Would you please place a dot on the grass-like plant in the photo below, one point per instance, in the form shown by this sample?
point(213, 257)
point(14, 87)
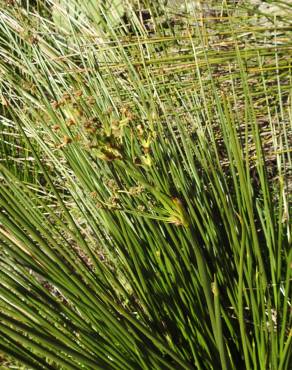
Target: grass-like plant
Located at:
point(144, 185)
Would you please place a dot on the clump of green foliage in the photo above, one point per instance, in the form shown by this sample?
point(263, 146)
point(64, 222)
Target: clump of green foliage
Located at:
point(145, 183)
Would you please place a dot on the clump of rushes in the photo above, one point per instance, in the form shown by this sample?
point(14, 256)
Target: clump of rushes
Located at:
point(145, 186)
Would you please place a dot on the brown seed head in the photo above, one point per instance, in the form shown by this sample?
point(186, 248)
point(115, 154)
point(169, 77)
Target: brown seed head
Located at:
point(91, 100)
point(55, 127)
point(70, 122)
point(66, 140)
point(66, 96)
point(55, 104)
point(78, 93)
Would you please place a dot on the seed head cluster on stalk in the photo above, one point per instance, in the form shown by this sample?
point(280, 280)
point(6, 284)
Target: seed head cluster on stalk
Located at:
point(145, 184)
